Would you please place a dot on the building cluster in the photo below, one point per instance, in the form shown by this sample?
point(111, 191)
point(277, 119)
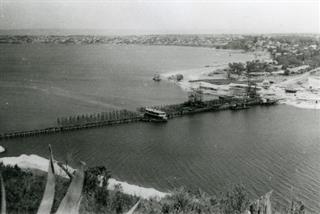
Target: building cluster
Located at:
point(178, 40)
point(276, 44)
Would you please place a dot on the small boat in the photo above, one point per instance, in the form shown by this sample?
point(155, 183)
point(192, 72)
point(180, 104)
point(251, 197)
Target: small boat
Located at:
point(238, 106)
point(155, 115)
point(156, 77)
point(291, 90)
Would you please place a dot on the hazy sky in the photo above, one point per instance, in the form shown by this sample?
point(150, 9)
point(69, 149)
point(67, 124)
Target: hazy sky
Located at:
point(180, 16)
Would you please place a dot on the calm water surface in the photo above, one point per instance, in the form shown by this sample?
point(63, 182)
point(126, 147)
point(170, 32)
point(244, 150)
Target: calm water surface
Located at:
point(39, 83)
point(263, 148)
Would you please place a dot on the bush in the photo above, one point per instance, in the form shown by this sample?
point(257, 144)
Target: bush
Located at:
point(181, 201)
point(24, 191)
point(235, 201)
point(98, 199)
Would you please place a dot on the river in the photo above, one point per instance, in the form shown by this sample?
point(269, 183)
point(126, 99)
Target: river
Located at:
point(263, 148)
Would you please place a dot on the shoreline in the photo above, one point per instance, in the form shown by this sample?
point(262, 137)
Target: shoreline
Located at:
point(35, 162)
point(207, 71)
point(304, 98)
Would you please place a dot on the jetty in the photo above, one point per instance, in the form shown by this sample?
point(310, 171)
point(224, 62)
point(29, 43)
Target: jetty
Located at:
point(187, 108)
point(102, 119)
point(80, 122)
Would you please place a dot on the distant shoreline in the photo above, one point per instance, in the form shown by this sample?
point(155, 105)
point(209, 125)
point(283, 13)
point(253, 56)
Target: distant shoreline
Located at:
point(123, 32)
point(189, 40)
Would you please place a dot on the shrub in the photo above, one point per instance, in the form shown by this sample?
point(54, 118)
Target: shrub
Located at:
point(235, 201)
point(24, 191)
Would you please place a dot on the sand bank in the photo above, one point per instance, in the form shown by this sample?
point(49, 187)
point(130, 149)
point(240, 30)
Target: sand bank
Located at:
point(33, 162)
point(131, 189)
point(40, 163)
point(194, 74)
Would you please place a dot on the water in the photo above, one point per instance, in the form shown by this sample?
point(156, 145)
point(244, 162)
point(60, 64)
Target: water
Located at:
point(39, 83)
point(264, 147)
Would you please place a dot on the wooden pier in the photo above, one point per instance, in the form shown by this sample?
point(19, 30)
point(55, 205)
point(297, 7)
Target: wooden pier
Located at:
point(79, 122)
point(187, 108)
point(102, 119)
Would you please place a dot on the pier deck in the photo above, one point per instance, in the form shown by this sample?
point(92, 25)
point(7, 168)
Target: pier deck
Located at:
point(58, 129)
point(123, 116)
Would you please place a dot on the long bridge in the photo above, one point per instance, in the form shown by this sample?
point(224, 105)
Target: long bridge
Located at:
point(102, 119)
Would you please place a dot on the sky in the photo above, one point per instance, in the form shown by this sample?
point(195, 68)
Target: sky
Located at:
point(155, 16)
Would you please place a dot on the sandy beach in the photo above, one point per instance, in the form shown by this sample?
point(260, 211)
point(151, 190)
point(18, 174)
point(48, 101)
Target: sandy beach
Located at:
point(193, 74)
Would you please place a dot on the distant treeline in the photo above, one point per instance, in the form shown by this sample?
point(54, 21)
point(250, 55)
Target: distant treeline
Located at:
point(178, 40)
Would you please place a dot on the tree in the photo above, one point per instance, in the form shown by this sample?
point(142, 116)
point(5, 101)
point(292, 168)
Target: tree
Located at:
point(96, 177)
point(236, 68)
point(286, 72)
point(251, 66)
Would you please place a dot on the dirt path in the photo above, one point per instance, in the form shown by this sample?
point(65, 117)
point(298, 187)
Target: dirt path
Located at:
point(297, 78)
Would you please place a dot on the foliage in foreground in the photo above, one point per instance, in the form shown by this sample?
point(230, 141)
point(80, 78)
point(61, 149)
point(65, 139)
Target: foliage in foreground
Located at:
point(25, 190)
point(181, 201)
